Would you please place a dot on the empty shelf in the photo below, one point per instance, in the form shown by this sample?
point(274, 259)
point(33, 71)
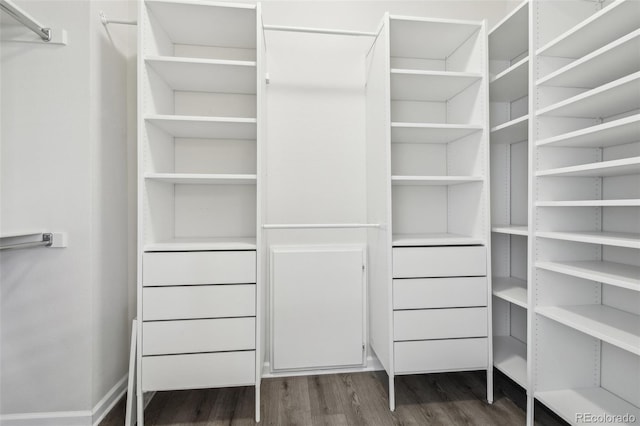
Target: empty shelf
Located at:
point(431, 133)
point(619, 18)
point(183, 126)
point(510, 37)
point(516, 130)
point(205, 75)
point(511, 84)
point(610, 62)
point(616, 327)
point(604, 101)
point(590, 203)
point(202, 178)
point(597, 401)
point(616, 239)
point(434, 239)
point(616, 274)
point(511, 229)
point(434, 86)
point(199, 244)
point(510, 289)
point(617, 132)
point(625, 166)
point(510, 357)
point(434, 180)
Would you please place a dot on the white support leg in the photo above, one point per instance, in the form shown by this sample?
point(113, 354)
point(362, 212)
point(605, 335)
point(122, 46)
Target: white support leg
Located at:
point(258, 402)
point(530, 414)
point(392, 393)
point(490, 385)
point(131, 409)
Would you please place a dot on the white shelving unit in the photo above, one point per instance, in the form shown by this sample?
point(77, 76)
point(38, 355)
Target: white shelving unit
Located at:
point(200, 100)
point(585, 279)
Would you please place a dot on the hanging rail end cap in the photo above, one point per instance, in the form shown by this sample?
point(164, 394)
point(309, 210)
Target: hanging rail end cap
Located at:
point(58, 239)
point(103, 18)
point(47, 34)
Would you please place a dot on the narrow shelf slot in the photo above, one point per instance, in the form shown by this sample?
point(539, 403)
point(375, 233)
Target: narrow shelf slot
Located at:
point(183, 126)
point(617, 132)
point(516, 130)
point(202, 244)
point(590, 203)
point(434, 180)
point(434, 239)
point(625, 166)
point(615, 239)
point(511, 229)
point(511, 84)
point(611, 273)
point(202, 178)
point(510, 37)
point(431, 133)
point(510, 357)
point(511, 289)
point(434, 86)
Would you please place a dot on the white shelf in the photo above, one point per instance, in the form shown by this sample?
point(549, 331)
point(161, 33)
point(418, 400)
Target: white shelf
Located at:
point(205, 75)
point(616, 239)
point(201, 244)
point(183, 126)
point(590, 203)
point(510, 357)
point(625, 166)
point(434, 86)
point(202, 178)
point(209, 23)
point(510, 289)
point(612, 61)
point(431, 133)
point(616, 274)
point(614, 21)
point(510, 37)
point(597, 401)
point(511, 229)
point(616, 327)
point(434, 180)
point(516, 130)
point(434, 239)
point(511, 84)
point(617, 132)
point(607, 100)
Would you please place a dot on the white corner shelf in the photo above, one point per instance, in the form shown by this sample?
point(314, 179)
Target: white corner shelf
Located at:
point(203, 244)
point(610, 99)
point(632, 202)
point(615, 239)
point(624, 166)
point(511, 289)
point(617, 132)
point(512, 131)
point(510, 37)
point(510, 357)
point(510, 84)
point(435, 86)
point(511, 229)
point(183, 126)
point(434, 239)
point(567, 402)
point(611, 273)
point(616, 327)
point(205, 75)
point(614, 21)
point(431, 133)
point(615, 60)
point(434, 180)
point(202, 178)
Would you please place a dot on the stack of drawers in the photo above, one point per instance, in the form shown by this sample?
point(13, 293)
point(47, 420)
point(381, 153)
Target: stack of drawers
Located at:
point(440, 318)
point(199, 323)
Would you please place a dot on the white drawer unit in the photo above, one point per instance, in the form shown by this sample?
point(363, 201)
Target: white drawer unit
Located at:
point(200, 267)
point(440, 355)
point(424, 293)
point(191, 336)
point(197, 371)
point(425, 262)
point(424, 324)
point(191, 302)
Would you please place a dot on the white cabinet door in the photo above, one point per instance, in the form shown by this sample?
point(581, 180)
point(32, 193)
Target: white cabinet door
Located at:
point(317, 306)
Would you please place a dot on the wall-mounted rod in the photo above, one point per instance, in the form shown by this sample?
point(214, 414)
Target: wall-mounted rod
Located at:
point(106, 21)
point(319, 225)
point(26, 20)
point(317, 31)
point(47, 241)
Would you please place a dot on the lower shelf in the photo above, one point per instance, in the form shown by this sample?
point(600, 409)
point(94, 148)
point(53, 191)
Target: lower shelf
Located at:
point(511, 289)
point(568, 403)
point(510, 357)
point(435, 239)
point(200, 244)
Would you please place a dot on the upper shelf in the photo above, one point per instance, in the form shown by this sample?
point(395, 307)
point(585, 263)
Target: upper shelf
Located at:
point(617, 132)
point(511, 289)
point(521, 230)
point(610, 23)
point(615, 239)
point(616, 274)
point(201, 244)
point(183, 126)
point(206, 75)
point(516, 130)
point(435, 86)
point(434, 180)
point(510, 37)
point(202, 178)
point(434, 239)
point(629, 202)
point(511, 84)
point(625, 166)
point(431, 133)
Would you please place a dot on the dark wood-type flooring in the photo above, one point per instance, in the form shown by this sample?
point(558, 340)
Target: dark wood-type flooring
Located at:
point(346, 399)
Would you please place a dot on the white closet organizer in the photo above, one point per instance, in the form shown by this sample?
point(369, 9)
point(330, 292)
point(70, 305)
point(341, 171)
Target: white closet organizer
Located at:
point(586, 277)
point(199, 148)
point(427, 161)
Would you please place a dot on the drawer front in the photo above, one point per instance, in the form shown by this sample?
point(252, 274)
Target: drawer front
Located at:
point(440, 355)
point(204, 267)
point(194, 371)
point(439, 324)
point(208, 335)
point(423, 293)
point(425, 262)
point(209, 301)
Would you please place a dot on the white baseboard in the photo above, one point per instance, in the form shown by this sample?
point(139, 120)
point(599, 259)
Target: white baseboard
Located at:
point(104, 406)
point(373, 364)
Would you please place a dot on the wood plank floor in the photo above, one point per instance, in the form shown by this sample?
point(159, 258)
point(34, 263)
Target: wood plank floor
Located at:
point(346, 399)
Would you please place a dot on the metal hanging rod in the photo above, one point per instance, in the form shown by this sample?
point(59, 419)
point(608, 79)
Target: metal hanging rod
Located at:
point(317, 31)
point(21, 16)
point(106, 21)
point(319, 225)
point(46, 241)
